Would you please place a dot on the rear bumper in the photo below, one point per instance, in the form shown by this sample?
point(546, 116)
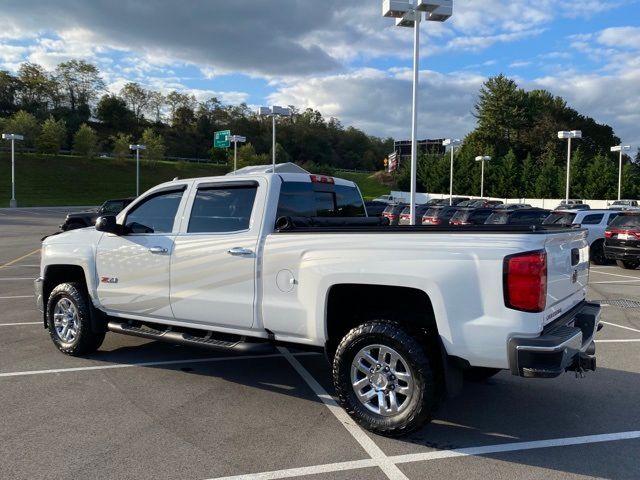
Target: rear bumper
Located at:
point(621, 253)
point(37, 288)
point(566, 344)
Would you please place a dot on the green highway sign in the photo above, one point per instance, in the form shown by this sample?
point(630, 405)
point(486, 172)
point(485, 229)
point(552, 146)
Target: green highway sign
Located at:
point(221, 139)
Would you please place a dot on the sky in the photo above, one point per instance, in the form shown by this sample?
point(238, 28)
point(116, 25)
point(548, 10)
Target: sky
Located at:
point(343, 58)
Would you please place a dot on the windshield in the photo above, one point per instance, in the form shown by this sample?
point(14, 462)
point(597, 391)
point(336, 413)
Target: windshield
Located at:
point(559, 219)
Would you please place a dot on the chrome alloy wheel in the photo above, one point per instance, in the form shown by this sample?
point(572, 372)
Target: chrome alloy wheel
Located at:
point(382, 380)
point(66, 320)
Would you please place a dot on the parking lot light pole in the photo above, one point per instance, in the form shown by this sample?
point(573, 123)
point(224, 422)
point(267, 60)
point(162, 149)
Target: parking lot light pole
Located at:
point(569, 135)
point(409, 14)
point(482, 159)
point(273, 112)
point(137, 148)
point(236, 139)
point(620, 148)
point(13, 137)
point(452, 143)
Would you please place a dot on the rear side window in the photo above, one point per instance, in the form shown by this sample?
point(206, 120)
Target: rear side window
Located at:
point(222, 209)
point(155, 214)
point(594, 219)
point(626, 221)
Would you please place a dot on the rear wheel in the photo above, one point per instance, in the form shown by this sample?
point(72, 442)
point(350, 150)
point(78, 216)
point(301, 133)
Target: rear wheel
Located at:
point(597, 253)
point(384, 379)
point(628, 264)
point(69, 320)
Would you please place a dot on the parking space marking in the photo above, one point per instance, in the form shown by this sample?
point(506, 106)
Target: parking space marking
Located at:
point(614, 281)
point(620, 326)
point(148, 364)
point(17, 324)
point(616, 275)
point(16, 260)
point(16, 296)
point(369, 446)
point(11, 279)
point(623, 340)
point(440, 454)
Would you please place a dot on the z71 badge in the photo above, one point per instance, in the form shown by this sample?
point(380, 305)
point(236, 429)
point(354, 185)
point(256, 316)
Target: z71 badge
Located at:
point(108, 279)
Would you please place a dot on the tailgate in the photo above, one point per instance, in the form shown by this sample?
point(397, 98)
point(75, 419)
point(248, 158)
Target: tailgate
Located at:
point(567, 271)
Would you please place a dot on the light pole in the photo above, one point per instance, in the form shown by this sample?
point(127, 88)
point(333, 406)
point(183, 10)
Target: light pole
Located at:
point(137, 148)
point(13, 137)
point(620, 148)
point(236, 139)
point(482, 158)
point(569, 135)
point(409, 14)
point(273, 112)
point(451, 142)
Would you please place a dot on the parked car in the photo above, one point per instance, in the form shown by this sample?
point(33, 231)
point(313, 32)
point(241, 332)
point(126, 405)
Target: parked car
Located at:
point(569, 204)
point(375, 208)
point(482, 203)
point(624, 205)
point(87, 219)
point(595, 221)
point(520, 216)
point(386, 199)
point(622, 240)
point(512, 206)
point(457, 201)
point(405, 215)
point(222, 263)
point(574, 206)
point(393, 211)
point(470, 216)
point(438, 215)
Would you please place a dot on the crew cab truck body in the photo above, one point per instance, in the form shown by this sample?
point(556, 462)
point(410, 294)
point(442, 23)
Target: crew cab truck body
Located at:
point(402, 312)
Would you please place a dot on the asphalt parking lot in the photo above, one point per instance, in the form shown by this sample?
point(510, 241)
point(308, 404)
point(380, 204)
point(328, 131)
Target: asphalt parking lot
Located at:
point(143, 409)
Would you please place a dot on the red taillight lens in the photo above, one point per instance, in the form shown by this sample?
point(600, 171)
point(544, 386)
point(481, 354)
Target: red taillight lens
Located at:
point(525, 281)
point(608, 234)
point(321, 179)
point(636, 234)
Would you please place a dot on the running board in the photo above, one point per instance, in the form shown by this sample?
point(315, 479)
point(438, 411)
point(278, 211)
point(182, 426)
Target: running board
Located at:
point(182, 338)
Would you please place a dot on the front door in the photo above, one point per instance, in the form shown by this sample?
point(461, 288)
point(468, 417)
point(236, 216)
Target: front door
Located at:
point(213, 266)
point(133, 268)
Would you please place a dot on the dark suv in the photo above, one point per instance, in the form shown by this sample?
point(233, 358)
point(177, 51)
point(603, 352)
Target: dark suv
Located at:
point(470, 216)
point(88, 218)
point(439, 215)
point(521, 216)
point(622, 240)
point(393, 211)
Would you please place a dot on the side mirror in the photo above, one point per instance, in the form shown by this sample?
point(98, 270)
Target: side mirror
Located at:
point(107, 224)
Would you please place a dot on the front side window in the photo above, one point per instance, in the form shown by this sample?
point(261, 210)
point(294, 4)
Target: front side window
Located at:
point(222, 209)
point(155, 214)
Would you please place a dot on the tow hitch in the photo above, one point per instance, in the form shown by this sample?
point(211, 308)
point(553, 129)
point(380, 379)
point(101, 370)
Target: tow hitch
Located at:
point(584, 361)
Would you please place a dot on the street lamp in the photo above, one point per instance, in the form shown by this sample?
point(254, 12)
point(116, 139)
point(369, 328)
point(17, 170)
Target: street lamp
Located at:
point(452, 142)
point(409, 14)
point(137, 148)
point(482, 158)
point(569, 135)
point(13, 137)
point(273, 112)
point(620, 148)
point(235, 139)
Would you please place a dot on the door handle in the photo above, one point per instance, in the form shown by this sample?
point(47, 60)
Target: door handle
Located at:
point(240, 252)
point(158, 250)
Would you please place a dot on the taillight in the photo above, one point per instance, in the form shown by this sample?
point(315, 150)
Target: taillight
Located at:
point(321, 179)
point(608, 234)
point(636, 234)
point(525, 281)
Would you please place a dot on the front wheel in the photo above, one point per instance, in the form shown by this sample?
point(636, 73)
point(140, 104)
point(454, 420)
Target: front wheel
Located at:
point(628, 264)
point(69, 320)
point(384, 379)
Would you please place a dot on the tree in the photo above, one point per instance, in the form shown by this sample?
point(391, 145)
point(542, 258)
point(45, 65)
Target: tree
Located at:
point(121, 143)
point(546, 185)
point(85, 141)
point(601, 178)
point(81, 83)
point(155, 102)
point(136, 97)
point(154, 143)
point(24, 123)
point(114, 113)
point(36, 90)
point(507, 178)
point(53, 135)
point(9, 86)
point(528, 177)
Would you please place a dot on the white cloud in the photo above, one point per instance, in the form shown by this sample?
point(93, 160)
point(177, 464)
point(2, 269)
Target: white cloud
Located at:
point(625, 37)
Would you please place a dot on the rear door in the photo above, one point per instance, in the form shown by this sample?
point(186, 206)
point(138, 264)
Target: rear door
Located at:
point(213, 267)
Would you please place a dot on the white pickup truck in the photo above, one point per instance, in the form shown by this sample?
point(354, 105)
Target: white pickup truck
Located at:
point(403, 313)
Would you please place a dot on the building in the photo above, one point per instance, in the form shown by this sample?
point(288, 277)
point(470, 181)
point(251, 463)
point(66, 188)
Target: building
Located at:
point(403, 148)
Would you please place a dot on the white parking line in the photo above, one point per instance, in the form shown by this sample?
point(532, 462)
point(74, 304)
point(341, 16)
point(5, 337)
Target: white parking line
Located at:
point(624, 340)
point(439, 454)
point(616, 275)
point(11, 279)
point(614, 281)
point(147, 364)
point(369, 446)
point(620, 326)
point(16, 296)
point(21, 323)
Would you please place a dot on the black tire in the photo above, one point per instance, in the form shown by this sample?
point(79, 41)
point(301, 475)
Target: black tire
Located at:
point(420, 403)
point(75, 226)
point(480, 374)
point(597, 253)
point(85, 340)
point(628, 264)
